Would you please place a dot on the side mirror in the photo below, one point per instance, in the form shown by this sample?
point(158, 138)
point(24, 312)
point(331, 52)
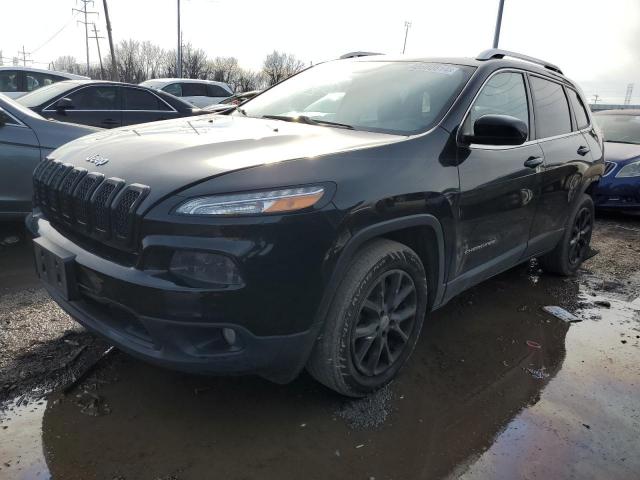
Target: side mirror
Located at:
point(64, 104)
point(499, 130)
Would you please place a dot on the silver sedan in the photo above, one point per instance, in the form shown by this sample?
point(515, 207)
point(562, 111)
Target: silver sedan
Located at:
point(25, 139)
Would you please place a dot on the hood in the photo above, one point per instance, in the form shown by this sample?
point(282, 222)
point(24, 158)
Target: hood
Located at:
point(171, 154)
point(620, 152)
point(52, 134)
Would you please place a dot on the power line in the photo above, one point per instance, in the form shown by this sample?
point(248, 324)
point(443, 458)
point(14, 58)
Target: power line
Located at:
point(54, 35)
point(86, 25)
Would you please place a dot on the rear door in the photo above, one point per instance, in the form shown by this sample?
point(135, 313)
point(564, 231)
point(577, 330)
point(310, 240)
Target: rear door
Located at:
point(196, 94)
point(141, 106)
point(19, 155)
point(498, 192)
point(216, 94)
point(96, 105)
point(567, 155)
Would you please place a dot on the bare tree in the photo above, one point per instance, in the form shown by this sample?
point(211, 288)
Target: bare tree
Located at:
point(248, 80)
point(129, 58)
point(67, 63)
point(224, 69)
point(194, 62)
point(279, 66)
point(152, 58)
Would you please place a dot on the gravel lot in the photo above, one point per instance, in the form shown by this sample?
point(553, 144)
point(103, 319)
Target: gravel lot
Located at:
point(497, 388)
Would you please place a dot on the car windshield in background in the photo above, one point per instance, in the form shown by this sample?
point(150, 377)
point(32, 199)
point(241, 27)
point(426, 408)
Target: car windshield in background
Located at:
point(38, 97)
point(620, 128)
point(391, 97)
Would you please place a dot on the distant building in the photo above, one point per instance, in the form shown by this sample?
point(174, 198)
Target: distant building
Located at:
point(596, 107)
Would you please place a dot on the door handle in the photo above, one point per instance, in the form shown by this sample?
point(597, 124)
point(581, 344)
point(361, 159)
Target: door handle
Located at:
point(533, 162)
point(582, 150)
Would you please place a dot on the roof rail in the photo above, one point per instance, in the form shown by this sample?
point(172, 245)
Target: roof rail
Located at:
point(358, 54)
point(498, 53)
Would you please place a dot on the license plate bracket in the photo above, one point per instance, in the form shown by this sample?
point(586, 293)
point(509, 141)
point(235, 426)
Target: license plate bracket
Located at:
point(55, 267)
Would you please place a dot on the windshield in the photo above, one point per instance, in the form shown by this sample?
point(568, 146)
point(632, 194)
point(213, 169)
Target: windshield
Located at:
point(392, 97)
point(38, 97)
point(619, 128)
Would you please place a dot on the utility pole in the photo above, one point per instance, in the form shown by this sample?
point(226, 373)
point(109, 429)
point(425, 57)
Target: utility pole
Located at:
point(86, 25)
point(179, 55)
point(95, 35)
point(407, 26)
point(596, 98)
point(114, 65)
point(496, 35)
point(627, 96)
point(24, 56)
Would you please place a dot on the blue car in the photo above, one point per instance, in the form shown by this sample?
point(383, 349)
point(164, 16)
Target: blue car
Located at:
point(619, 187)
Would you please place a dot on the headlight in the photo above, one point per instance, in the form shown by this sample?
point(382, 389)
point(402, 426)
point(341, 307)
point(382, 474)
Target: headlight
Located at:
point(630, 170)
point(252, 203)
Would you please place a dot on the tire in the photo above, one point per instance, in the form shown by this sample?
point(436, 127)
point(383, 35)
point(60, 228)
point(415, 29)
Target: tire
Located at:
point(360, 321)
point(568, 255)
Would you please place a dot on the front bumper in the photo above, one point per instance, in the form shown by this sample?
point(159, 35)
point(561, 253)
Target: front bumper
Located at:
point(180, 327)
point(617, 193)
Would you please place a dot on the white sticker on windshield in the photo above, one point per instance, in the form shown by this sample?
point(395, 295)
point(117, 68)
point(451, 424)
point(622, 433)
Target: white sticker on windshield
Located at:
point(435, 68)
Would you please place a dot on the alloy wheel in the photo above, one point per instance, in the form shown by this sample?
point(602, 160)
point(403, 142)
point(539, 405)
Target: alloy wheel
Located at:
point(580, 236)
point(385, 323)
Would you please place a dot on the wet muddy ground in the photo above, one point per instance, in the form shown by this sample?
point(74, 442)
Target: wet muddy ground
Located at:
point(497, 388)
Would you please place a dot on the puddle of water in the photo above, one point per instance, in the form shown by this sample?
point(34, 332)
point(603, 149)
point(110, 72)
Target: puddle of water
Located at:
point(587, 422)
point(21, 449)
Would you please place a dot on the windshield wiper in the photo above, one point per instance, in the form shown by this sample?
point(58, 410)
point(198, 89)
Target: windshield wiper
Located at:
point(308, 121)
point(241, 110)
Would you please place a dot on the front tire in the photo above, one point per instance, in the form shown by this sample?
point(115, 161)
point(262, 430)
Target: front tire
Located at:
point(573, 248)
point(374, 320)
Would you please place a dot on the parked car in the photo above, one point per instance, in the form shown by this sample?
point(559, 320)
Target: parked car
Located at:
point(619, 188)
point(105, 104)
point(231, 102)
point(200, 93)
point(267, 240)
point(17, 81)
point(25, 139)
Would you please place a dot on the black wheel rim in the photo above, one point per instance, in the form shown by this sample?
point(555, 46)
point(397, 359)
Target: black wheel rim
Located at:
point(580, 236)
point(385, 323)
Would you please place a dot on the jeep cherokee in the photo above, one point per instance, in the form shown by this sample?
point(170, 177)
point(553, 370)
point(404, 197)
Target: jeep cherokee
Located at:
point(319, 223)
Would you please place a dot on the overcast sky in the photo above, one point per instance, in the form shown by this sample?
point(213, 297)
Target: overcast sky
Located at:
point(596, 42)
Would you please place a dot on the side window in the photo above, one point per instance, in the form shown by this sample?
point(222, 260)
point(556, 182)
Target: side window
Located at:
point(136, 99)
point(194, 90)
point(35, 80)
point(8, 119)
point(551, 107)
point(582, 118)
point(173, 89)
point(94, 98)
point(503, 94)
point(8, 81)
point(217, 91)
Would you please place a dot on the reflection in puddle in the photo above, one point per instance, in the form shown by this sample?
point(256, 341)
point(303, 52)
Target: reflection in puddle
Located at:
point(488, 393)
point(21, 451)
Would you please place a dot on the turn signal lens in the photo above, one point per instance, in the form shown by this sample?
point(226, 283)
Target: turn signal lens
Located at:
point(252, 203)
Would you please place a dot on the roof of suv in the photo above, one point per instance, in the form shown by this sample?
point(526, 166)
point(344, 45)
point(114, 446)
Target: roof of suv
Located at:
point(504, 58)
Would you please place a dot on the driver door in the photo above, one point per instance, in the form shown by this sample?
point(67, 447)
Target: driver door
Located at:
point(498, 192)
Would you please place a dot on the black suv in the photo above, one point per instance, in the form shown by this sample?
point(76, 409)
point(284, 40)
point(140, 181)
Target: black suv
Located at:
point(318, 223)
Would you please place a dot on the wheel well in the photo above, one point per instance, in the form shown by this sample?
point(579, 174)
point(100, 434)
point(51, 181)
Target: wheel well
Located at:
point(423, 241)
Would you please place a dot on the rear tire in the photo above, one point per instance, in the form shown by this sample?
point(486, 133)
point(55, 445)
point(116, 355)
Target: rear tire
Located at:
point(374, 320)
point(573, 248)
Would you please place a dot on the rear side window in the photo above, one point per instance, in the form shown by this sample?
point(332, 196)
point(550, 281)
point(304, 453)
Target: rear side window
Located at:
point(503, 94)
point(136, 99)
point(94, 98)
point(217, 91)
point(194, 90)
point(582, 118)
point(551, 107)
point(35, 80)
point(173, 89)
point(8, 81)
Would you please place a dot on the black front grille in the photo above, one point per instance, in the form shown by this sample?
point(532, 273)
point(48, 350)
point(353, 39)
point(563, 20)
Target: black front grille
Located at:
point(87, 203)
